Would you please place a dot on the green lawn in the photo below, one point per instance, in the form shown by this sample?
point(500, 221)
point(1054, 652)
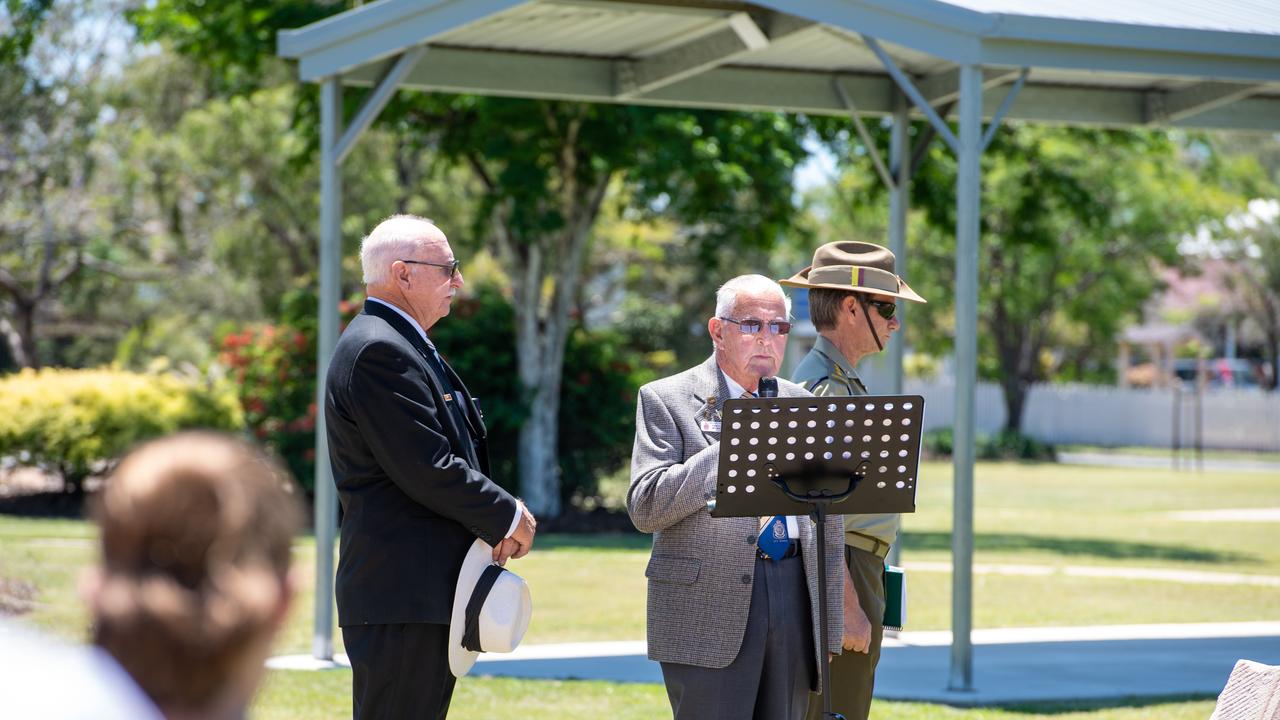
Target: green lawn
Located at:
point(1168, 453)
point(326, 695)
point(592, 588)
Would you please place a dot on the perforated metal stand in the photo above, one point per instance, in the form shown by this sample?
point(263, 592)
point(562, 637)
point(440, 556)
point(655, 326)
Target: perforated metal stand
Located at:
point(859, 453)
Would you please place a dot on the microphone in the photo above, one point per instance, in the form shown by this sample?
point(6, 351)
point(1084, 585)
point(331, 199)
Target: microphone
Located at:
point(768, 387)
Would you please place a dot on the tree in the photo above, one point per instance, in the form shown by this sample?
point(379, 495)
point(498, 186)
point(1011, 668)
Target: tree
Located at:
point(50, 228)
point(1074, 223)
point(544, 170)
point(220, 196)
point(1253, 241)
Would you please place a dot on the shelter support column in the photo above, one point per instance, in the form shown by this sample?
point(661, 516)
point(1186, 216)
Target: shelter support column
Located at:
point(968, 200)
point(326, 501)
point(899, 201)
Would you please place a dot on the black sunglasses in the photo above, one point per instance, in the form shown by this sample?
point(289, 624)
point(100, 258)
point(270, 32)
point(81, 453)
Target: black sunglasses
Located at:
point(452, 267)
point(751, 326)
point(886, 308)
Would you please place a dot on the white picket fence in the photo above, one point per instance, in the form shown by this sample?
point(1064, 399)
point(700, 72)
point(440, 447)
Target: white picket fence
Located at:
point(1103, 415)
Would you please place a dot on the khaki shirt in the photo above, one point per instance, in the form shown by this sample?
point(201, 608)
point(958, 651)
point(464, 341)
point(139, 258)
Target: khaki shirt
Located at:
point(826, 373)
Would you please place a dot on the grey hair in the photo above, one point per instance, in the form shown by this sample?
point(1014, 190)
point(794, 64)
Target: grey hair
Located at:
point(396, 238)
point(727, 295)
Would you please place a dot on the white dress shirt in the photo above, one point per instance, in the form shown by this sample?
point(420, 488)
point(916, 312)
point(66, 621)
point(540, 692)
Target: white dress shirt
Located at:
point(736, 391)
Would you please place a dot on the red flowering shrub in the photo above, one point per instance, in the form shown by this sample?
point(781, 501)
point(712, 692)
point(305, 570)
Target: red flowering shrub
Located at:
point(274, 368)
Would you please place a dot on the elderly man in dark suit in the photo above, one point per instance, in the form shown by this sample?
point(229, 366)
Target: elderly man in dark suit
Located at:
point(732, 609)
point(407, 443)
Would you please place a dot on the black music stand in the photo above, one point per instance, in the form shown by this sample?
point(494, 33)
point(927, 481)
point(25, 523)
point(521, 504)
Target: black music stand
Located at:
point(801, 456)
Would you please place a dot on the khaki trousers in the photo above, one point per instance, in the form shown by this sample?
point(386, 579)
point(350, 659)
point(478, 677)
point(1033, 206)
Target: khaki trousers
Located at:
point(853, 674)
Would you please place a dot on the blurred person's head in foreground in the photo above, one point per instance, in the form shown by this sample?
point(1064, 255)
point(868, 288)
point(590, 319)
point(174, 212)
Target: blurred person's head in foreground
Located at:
point(193, 581)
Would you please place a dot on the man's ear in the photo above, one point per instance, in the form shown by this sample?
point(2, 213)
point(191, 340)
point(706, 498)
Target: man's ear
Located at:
point(850, 304)
point(714, 326)
point(400, 273)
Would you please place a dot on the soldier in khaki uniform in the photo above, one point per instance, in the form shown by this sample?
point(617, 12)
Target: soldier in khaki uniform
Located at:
point(852, 292)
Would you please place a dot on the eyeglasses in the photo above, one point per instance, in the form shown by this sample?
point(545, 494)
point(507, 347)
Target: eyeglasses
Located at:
point(452, 267)
point(751, 326)
point(886, 308)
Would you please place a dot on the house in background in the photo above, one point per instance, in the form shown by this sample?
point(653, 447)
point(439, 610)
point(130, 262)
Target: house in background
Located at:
point(1196, 332)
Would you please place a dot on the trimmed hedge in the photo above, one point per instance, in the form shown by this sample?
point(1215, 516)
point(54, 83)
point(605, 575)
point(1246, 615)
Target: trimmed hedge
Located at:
point(1004, 445)
point(78, 422)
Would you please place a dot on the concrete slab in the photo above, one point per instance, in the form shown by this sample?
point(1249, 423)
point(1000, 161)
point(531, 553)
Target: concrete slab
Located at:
point(1011, 664)
point(1101, 669)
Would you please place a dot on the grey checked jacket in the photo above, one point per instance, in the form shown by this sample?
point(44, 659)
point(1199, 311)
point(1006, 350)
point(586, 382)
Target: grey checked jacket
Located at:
point(702, 568)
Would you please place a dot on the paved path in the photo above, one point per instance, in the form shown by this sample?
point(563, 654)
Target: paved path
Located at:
point(1186, 461)
point(1193, 577)
point(1010, 664)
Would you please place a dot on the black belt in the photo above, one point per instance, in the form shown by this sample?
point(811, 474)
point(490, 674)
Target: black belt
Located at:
point(793, 549)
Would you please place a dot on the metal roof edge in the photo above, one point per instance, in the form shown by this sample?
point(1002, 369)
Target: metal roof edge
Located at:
point(1127, 35)
point(935, 12)
point(332, 30)
point(929, 26)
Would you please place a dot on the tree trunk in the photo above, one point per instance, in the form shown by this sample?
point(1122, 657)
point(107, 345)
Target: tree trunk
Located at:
point(539, 440)
point(1273, 341)
point(20, 335)
point(1015, 398)
point(542, 329)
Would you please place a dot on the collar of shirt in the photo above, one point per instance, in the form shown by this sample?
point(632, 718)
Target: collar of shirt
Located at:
point(404, 315)
point(828, 348)
point(735, 390)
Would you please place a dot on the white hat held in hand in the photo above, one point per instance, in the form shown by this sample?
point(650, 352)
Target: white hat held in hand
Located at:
point(491, 609)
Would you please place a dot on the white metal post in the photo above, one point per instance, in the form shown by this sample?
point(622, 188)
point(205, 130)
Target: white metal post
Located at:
point(899, 201)
point(326, 507)
point(968, 200)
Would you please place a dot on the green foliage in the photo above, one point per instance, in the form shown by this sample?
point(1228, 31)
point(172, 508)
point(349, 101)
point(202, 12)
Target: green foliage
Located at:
point(1073, 224)
point(476, 340)
point(602, 374)
point(597, 397)
point(274, 369)
point(1004, 445)
point(78, 422)
point(938, 443)
point(543, 170)
point(235, 41)
point(1013, 445)
point(24, 18)
point(727, 174)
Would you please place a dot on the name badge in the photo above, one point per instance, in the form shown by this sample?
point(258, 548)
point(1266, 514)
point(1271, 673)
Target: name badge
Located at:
point(711, 426)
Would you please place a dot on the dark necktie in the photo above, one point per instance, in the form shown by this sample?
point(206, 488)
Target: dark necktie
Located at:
point(773, 540)
point(452, 398)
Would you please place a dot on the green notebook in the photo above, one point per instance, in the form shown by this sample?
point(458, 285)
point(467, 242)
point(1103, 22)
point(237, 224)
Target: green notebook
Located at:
point(895, 594)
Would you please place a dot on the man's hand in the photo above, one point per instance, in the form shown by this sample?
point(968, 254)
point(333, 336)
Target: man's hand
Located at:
point(520, 542)
point(504, 550)
point(526, 528)
point(857, 629)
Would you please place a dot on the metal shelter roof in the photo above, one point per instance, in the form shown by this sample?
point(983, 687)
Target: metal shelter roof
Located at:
point(1193, 63)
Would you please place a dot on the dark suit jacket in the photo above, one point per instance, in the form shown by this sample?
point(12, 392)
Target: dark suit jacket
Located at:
point(413, 488)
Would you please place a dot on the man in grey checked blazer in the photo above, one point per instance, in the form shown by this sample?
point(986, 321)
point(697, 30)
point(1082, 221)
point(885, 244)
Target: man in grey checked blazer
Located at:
point(734, 629)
